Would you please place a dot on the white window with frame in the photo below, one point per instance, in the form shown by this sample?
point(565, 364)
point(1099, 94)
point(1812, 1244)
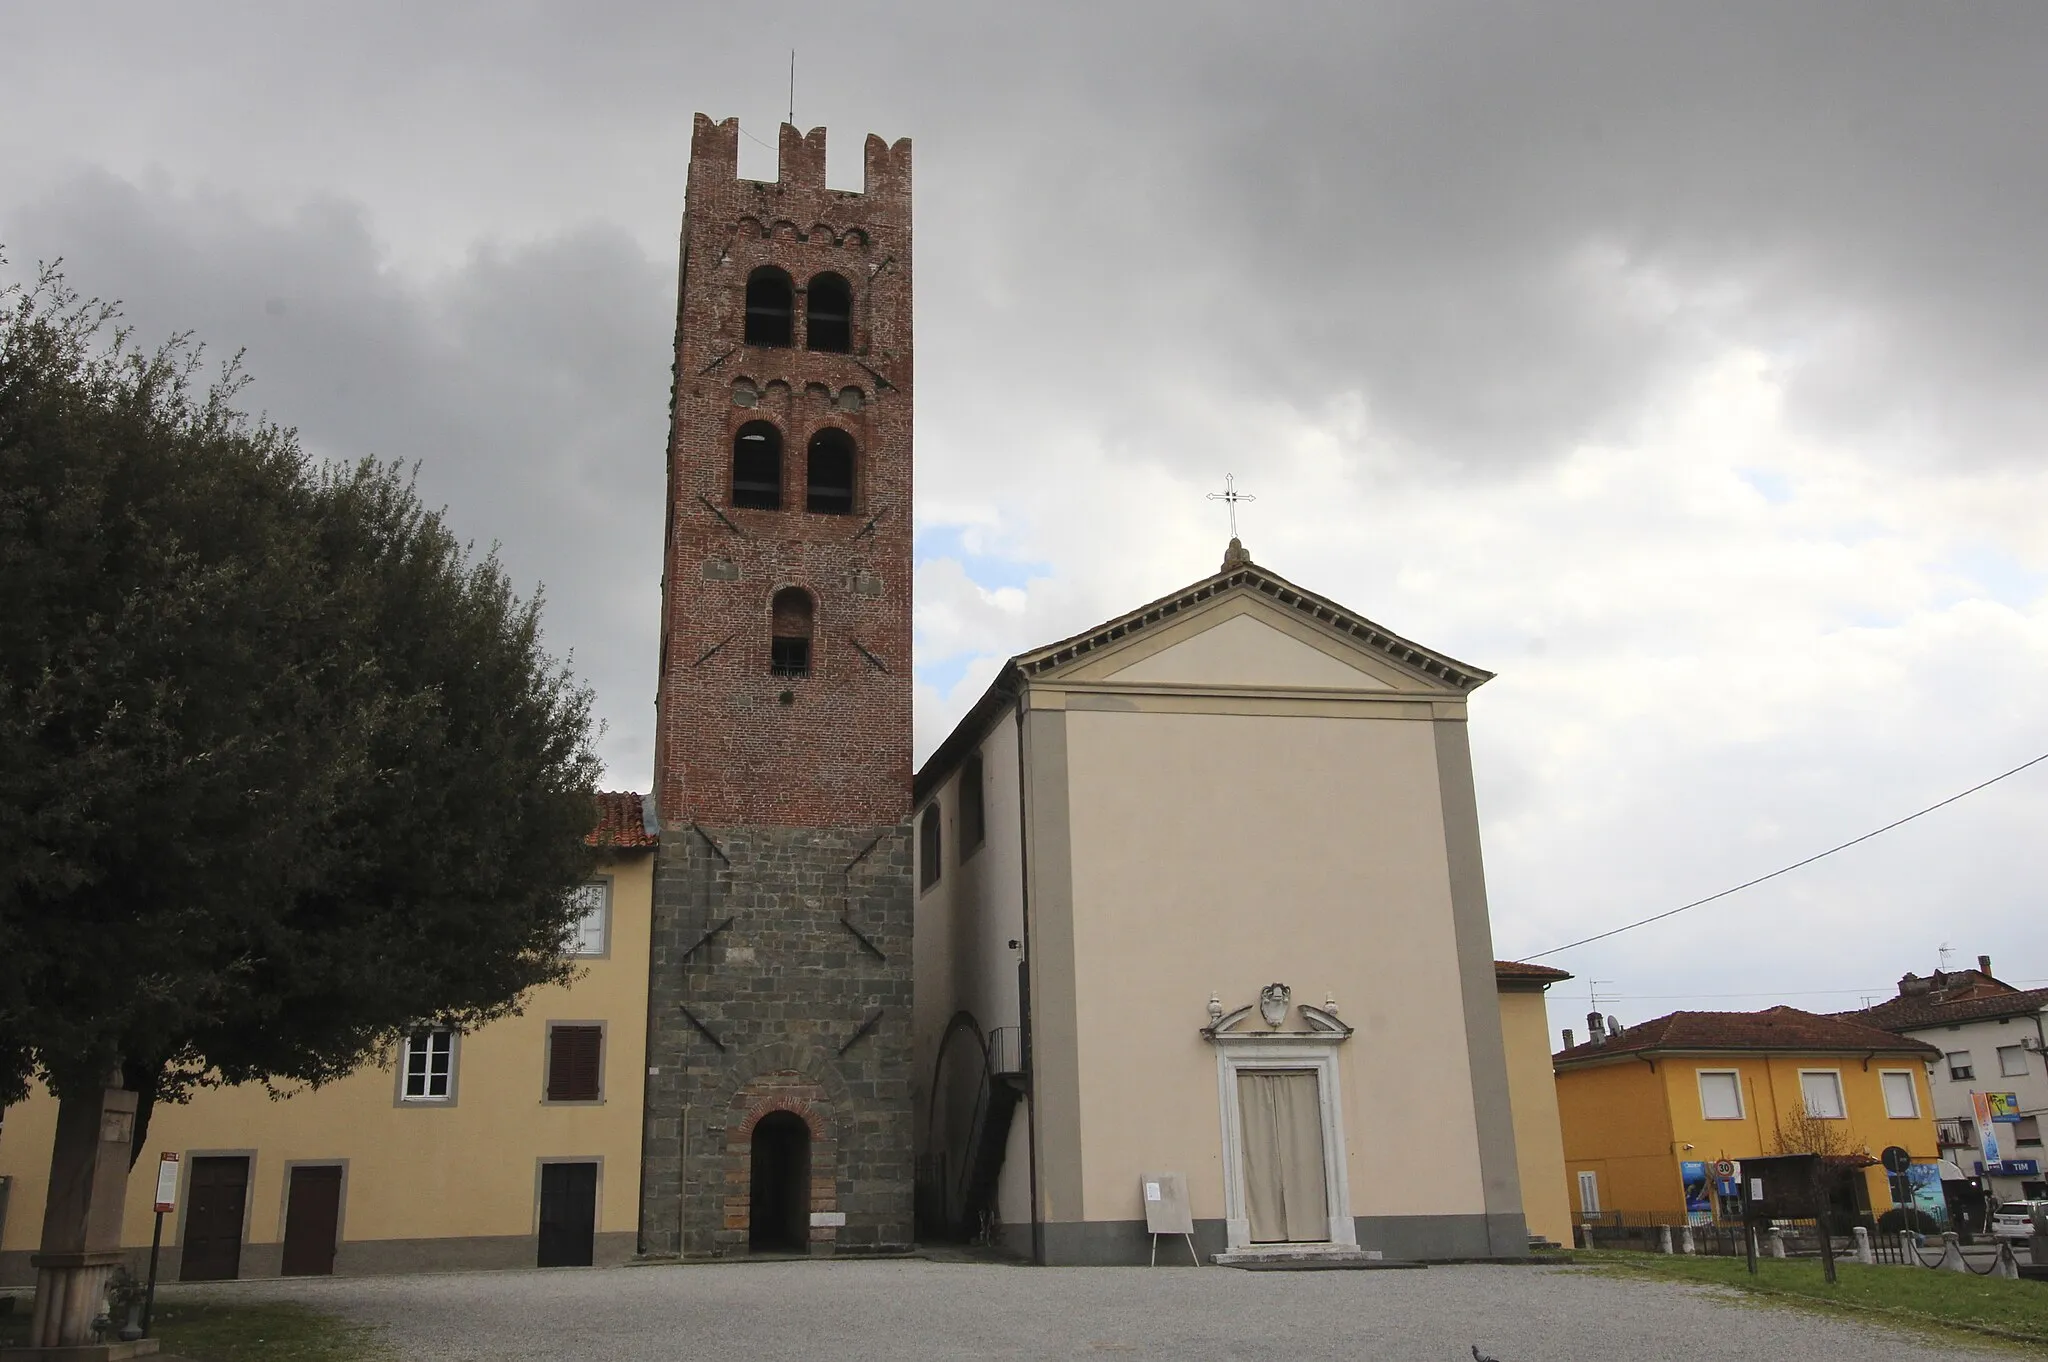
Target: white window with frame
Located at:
point(1721, 1094)
point(593, 903)
point(2027, 1131)
point(428, 1071)
point(1822, 1091)
point(1959, 1066)
point(2012, 1061)
point(1589, 1193)
point(1901, 1099)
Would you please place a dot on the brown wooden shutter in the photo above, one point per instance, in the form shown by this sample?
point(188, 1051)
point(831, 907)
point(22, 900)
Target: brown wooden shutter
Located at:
point(573, 1055)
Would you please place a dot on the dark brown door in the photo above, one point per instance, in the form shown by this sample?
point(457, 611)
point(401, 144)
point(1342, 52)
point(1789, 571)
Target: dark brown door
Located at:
point(217, 1197)
point(568, 1214)
point(312, 1214)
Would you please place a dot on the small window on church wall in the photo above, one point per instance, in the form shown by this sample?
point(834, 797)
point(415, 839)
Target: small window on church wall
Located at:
point(831, 314)
point(829, 473)
point(928, 847)
point(770, 307)
point(757, 467)
point(789, 651)
point(973, 822)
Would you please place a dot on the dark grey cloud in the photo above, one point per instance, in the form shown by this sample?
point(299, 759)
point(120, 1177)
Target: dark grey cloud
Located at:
point(1454, 243)
point(529, 384)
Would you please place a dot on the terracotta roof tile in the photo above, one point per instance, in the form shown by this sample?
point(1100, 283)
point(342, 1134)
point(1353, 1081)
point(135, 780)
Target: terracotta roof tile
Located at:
point(1911, 1014)
point(1521, 969)
point(620, 822)
point(1784, 1029)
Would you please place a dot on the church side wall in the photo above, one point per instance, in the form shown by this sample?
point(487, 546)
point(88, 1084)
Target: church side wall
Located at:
point(1224, 852)
point(965, 924)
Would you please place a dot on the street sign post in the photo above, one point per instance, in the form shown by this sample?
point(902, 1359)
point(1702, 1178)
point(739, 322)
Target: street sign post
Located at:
point(166, 1202)
point(1896, 1161)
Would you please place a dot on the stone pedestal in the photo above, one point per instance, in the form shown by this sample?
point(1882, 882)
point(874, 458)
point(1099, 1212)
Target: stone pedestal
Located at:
point(81, 1227)
point(1864, 1252)
point(1663, 1239)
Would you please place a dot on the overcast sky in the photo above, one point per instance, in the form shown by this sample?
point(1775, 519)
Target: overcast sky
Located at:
point(1686, 366)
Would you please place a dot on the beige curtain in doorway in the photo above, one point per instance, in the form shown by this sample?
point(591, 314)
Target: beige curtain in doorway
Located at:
point(1282, 1119)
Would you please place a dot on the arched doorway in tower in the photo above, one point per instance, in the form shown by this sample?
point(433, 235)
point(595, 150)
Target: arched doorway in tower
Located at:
point(779, 1191)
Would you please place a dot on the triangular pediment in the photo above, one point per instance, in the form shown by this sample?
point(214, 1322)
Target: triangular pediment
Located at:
point(1243, 649)
point(1246, 627)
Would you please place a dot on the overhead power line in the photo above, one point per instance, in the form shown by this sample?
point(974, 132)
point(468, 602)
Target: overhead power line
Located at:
point(1786, 870)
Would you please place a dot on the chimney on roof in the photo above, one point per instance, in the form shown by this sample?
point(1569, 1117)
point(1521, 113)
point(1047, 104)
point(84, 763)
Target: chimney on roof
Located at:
point(1567, 1038)
point(1913, 986)
point(1984, 965)
point(1594, 1035)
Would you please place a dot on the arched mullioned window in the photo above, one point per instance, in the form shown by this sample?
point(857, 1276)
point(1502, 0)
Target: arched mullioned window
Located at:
point(831, 314)
point(789, 643)
point(757, 467)
point(771, 307)
point(828, 472)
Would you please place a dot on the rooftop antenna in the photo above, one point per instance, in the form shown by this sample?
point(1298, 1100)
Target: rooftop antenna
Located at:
point(792, 87)
point(1945, 951)
point(1593, 987)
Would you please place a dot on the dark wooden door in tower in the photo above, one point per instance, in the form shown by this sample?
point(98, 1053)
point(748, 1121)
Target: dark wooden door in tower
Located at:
point(216, 1204)
point(780, 972)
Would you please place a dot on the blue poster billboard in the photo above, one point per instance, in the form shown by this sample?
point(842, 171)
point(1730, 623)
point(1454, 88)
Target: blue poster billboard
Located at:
point(1699, 1204)
point(1923, 1181)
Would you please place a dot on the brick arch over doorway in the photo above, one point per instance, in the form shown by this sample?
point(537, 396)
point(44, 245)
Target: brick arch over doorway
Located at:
point(784, 1091)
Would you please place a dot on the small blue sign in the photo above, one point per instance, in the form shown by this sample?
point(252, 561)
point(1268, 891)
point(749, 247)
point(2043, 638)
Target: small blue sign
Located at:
point(2018, 1168)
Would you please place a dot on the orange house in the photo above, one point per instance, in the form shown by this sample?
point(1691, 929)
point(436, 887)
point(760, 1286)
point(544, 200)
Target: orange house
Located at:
point(1636, 1106)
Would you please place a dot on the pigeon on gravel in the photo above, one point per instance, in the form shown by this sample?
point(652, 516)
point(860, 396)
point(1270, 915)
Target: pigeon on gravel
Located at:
point(1478, 1356)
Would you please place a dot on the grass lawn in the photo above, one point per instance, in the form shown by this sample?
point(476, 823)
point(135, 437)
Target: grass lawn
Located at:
point(240, 1331)
point(1953, 1300)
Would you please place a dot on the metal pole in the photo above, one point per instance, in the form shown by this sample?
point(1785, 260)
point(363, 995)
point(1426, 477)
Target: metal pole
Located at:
point(156, 1243)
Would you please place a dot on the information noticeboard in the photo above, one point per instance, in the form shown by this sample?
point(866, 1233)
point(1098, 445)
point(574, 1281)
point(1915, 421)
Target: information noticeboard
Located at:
point(1166, 1203)
point(166, 1183)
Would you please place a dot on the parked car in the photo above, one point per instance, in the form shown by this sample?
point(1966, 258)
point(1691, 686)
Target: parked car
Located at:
point(2015, 1219)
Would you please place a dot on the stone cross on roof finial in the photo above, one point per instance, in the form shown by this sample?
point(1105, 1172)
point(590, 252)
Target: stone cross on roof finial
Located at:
point(1235, 555)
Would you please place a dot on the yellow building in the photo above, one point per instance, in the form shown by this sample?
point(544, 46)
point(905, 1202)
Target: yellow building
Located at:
point(515, 1146)
point(1699, 1087)
point(1532, 1096)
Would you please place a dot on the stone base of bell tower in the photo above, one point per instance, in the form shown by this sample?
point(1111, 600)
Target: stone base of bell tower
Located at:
point(778, 1114)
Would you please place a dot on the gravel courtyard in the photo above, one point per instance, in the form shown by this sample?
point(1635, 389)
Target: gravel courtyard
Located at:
point(909, 1310)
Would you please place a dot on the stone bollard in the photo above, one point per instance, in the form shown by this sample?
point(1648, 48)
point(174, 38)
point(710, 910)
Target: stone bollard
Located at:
point(1777, 1241)
point(1580, 1237)
point(1951, 1254)
point(1685, 1243)
point(1663, 1239)
point(2006, 1264)
point(1864, 1253)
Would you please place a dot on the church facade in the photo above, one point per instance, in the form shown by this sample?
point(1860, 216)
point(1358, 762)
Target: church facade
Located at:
point(1204, 886)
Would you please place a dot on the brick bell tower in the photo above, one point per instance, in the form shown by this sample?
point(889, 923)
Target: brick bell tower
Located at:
point(778, 1112)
